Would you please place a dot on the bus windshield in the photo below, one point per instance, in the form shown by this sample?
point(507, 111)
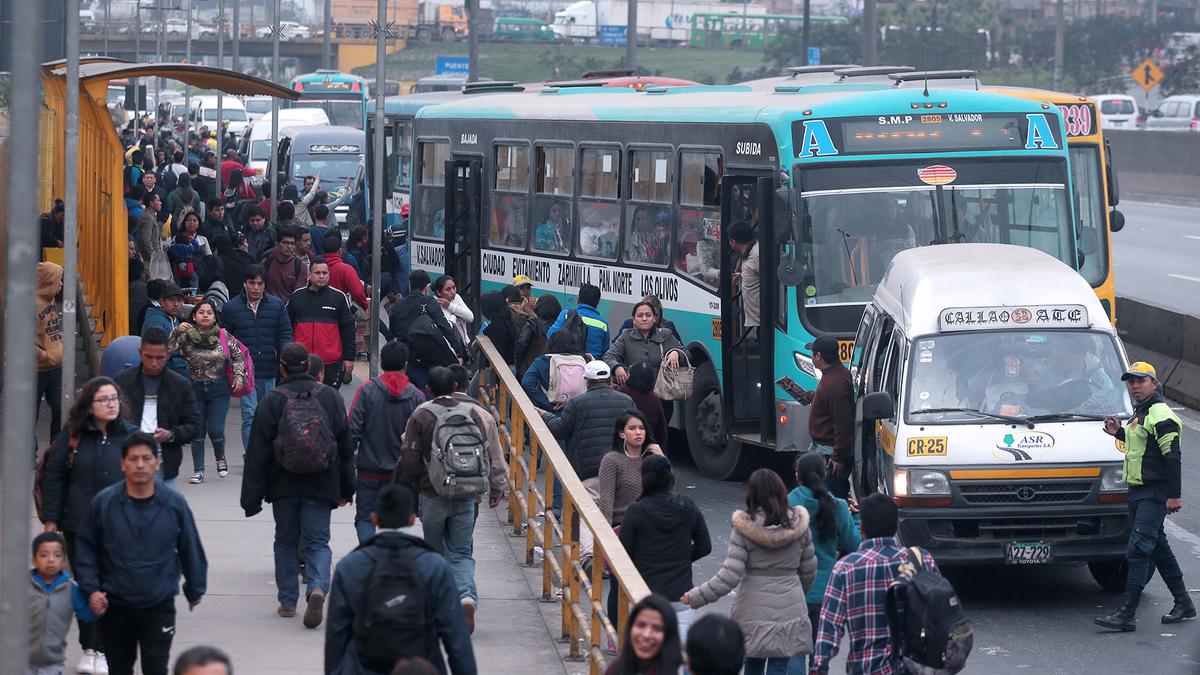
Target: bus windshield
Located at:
point(341, 113)
point(853, 232)
point(335, 170)
point(1027, 373)
point(231, 114)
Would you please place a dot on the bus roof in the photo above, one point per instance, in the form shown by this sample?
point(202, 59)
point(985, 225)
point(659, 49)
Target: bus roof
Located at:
point(1033, 94)
point(921, 282)
point(325, 134)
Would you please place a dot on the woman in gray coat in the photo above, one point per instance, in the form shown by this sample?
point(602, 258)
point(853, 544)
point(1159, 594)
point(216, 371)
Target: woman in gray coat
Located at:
point(646, 343)
point(770, 562)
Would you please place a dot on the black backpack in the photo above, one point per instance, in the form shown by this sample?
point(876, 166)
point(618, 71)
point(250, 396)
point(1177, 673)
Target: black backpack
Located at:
point(574, 334)
point(930, 632)
point(395, 620)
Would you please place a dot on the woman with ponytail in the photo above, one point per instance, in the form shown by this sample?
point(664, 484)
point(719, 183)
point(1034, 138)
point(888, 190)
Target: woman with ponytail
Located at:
point(834, 531)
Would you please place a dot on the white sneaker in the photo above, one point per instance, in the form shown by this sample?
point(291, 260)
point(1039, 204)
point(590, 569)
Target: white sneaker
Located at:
point(101, 664)
point(87, 663)
point(197, 478)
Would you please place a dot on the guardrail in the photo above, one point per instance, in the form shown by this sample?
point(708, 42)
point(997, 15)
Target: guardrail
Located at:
point(1170, 341)
point(1156, 165)
point(531, 449)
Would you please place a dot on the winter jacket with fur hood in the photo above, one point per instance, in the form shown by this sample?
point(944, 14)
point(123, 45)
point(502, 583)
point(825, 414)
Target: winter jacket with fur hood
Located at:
point(770, 567)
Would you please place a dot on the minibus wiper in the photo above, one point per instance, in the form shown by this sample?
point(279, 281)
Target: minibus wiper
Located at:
point(1052, 417)
point(1015, 419)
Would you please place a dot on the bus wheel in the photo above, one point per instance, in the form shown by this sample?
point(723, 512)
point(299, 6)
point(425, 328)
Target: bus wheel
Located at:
point(448, 35)
point(424, 36)
point(1110, 574)
point(703, 412)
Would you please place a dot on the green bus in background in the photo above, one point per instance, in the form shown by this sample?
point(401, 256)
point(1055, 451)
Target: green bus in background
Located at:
point(517, 29)
point(748, 31)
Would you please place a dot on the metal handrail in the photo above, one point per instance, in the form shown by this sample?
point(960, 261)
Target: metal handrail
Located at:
point(527, 437)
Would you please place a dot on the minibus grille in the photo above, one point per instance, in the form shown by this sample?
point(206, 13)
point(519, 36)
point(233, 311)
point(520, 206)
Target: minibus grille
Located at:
point(1016, 493)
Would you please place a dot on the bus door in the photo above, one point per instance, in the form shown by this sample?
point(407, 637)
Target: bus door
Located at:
point(464, 180)
point(746, 351)
point(391, 162)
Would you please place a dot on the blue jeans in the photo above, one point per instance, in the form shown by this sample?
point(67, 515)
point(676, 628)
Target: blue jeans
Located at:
point(1148, 541)
point(755, 666)
point(450, 529)
point(365, 492)
point(212, 402)
point(304, 523)
point(262, 387)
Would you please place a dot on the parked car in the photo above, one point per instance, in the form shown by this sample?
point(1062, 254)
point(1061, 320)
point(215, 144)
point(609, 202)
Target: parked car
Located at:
point(1176, 113)
point(1117, 111)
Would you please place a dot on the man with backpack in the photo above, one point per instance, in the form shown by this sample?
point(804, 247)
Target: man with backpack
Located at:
point(418, 320)
point(584, 323)
point(378, 417)
point(367, 633)
point(300, 460)
point(447, 462)
point(860, 597)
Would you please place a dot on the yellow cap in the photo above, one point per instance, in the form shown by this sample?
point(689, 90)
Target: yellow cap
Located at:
point(1140, 369)
point(521, 280)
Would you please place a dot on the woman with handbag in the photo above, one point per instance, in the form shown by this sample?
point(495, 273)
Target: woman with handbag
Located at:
point(216, 367)
point(647, 343)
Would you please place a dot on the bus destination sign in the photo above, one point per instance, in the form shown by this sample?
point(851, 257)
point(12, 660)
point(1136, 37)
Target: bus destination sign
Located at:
point(927, 132)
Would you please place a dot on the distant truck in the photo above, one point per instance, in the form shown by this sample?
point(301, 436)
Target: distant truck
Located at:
point(414, 20)
point(657, 21)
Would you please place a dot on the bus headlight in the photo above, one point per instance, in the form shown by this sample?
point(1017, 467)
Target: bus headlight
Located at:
point(920, 483)
point(1112, 479)
point(805, 364)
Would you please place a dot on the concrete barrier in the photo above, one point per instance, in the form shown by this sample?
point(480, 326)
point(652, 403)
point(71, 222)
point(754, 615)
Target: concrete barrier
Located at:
point(1166, 339)
point(1157, 165)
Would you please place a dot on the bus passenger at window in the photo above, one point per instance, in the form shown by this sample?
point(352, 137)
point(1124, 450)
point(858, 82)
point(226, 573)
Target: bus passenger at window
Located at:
point(609, 240)
point(640, 233)
point(432, 221)
point(659, 247)
point(554, 233)
point(594, 227)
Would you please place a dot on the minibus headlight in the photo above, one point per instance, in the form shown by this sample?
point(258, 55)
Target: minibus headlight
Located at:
point(1112, 479)
point(920, 483)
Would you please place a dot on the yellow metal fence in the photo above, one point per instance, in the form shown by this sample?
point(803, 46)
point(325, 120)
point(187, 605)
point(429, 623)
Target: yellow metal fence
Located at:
point(533, 450)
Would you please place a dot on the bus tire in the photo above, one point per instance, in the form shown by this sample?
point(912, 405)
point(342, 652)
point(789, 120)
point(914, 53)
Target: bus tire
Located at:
point(1110, 574)
point(714, 456)
point(448, 35)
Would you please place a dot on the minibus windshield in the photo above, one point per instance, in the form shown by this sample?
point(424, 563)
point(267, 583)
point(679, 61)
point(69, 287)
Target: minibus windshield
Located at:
point(1054, 375)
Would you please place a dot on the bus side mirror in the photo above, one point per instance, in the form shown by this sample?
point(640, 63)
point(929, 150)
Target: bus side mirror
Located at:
point(1116, 220)
point(878, 406)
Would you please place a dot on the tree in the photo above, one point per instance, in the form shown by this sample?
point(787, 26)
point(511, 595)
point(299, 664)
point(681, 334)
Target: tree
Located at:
point(1183, 76)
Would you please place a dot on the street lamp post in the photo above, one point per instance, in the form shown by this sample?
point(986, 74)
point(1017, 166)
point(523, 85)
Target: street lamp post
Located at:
point(220, 96)
point(382, 34)
point(273, 163)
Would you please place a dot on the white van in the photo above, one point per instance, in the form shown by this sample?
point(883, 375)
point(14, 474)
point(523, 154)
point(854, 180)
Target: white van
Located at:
point(984, 374)
point(1117, 111)
point(257, 150)
point(204, 113)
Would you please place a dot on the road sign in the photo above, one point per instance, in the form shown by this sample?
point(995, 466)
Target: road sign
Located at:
point(612, 35)
point(452, 65)
point(814, 56)
point(1147, 74)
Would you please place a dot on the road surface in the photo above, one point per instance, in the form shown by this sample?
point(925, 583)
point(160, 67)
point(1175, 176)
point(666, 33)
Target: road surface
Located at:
point(1155, 256)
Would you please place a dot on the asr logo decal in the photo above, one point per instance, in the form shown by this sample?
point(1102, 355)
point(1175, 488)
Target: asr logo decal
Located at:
point(1024, 447)
point(1040, 137)
point(816, 141)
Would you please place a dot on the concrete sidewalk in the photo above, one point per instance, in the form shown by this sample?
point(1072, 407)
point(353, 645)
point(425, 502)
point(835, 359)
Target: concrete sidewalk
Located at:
point(238, 613)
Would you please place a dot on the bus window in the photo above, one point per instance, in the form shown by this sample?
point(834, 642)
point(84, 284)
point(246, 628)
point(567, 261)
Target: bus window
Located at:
point(599, 212)
point(510, 197)
point(555, 187)
point(431, 216)
point(648, 213)
point(1089, 190)
point(404, 139)
point(700, 216)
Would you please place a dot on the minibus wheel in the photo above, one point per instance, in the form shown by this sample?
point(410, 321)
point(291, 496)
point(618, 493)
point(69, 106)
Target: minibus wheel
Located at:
point(1110, 574)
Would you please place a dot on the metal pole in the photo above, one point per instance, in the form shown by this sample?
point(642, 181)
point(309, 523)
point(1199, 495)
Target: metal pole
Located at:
point(220, 97)
point(630, 34)
point(870, 33)
point(1060, 25)
point(377, 184)
point(327, 40)
point(161, 46)
point(107, 12)
point(137, 82)
point(16, 462)
point(273, 164)
point(187, 91)
point(237, 37)
point(804, 41)
point(472, 7)
point(70, 204)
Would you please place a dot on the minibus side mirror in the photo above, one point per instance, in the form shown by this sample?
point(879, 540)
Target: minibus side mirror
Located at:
point(878, 406)
point(1116, 220)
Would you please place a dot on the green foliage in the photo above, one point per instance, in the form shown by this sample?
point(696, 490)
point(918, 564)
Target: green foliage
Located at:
point(1183, 76)
point(1094, 50)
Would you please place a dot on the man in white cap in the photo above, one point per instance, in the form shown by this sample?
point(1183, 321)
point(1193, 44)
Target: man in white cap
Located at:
point(585, 425)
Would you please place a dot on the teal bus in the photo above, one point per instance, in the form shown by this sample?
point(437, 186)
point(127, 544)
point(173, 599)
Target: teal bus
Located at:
point(342, 96)
point(748, 31)
point(833, 183)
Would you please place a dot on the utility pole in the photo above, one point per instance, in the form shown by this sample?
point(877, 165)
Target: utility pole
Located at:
point(1060, 27)
point(807, 25)
point(327, 40)
point(870, 33)
point(70, 206)
point(187, 90)
point(273, 163)
point(21, 251)
point(107, 12)
point(472, 7)
point(221, 20)
point(377, 214)
point(237, 36)
point(631, 23)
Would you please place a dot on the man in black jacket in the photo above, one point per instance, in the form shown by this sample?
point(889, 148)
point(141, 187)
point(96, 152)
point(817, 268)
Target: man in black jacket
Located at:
point(161, 401)
point(133, 527)
point(421, 310)
point(301, 502)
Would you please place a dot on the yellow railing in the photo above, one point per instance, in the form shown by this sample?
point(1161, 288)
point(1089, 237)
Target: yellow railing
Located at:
point(531, 450)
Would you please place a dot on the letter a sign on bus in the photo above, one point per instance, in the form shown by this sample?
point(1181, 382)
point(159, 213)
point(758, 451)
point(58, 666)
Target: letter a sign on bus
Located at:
point(1040, 136)
point(816, 141)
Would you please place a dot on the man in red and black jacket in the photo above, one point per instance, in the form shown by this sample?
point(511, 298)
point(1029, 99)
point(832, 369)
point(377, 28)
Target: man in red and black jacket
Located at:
point(323, 322)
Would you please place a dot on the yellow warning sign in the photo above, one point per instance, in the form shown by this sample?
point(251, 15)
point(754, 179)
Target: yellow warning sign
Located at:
point(1147, 74)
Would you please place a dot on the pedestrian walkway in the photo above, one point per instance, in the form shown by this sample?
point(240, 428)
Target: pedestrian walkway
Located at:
point(512, 636)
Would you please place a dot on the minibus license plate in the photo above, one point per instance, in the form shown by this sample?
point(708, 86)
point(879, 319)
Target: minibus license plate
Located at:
point(1027, 553)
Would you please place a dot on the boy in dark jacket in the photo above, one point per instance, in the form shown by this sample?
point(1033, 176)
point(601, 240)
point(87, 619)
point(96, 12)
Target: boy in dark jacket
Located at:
point(135, 526)
point(378, 416)
point(53, 599)
point(393, 515)
point(301, 503)
point(261, 322)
